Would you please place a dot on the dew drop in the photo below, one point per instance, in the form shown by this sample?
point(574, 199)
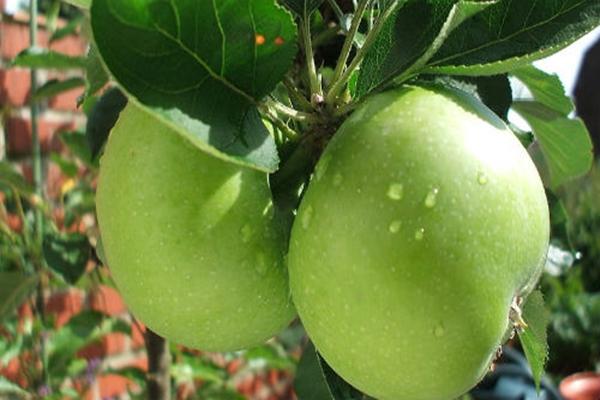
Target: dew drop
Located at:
point(307, 217)
point(395, 191)
point(395, 226)
point(246, 232)
point(420, 233)
point(337, 179)
point(482, 179)
point(439, 330)
point(431, 198)
point(261, 263)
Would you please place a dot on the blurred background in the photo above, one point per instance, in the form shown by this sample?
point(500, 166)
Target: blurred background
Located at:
point(66, 333)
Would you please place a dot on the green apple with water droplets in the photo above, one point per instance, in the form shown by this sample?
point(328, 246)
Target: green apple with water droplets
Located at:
point(424, 220)
point(191, 240)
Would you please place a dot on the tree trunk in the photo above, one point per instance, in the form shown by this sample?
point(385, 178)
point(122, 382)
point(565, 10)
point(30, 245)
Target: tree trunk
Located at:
point(159, 364)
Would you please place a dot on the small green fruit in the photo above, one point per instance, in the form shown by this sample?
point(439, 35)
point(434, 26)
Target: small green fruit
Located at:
point(425, 218)
point(191, 240)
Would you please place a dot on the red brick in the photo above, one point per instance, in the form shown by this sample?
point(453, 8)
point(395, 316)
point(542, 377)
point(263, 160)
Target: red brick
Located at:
point(18, 135)
point(66, 101)
point(15, 38)
point(65, 305)
point(112, 385)
point(14, 86)
point(137, 336)
point(106, 300)
point(70, 45)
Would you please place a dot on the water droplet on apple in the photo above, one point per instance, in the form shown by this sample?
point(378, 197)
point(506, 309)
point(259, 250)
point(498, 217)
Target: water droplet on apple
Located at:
point(431, 198)
point(261, 263)
point(246, 232)
point(395, 226)
point(307, 217)
point(395, 191)
point(482, 179)
point(337, 179)
point(420, 234)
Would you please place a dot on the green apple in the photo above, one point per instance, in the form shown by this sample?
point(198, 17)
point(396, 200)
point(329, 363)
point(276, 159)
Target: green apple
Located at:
point(191, 240)
point(425, 218)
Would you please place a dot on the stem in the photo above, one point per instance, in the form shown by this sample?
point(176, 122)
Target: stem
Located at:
point(289, 112)
point(289, 133)
point(336, 9)
point(349, 41)
point(159, 364)
point(339, 84)
point(315, 85)
point(325, 36)
point(295, 94)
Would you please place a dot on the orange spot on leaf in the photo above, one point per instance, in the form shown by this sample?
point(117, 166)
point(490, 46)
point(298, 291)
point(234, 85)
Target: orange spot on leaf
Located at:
point(259, 39)
point(279, 41)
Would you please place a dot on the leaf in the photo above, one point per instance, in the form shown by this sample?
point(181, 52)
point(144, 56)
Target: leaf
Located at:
point(67, 254)
point(77, 144)
point(9, 176)
point(534, 338)
point(269, 357)
point(565, 142)
point(95, 73)
point(47, 59)
point(66, 167)
point(303, 8)
point(15, 287)
point(316, 380)
point(201, 67)
point(310, 382)
point(411, 36)
point(82, 330)
point(7, 387)
point(84, 4)
point(71, 28)
point(54, 87)
point(545, 88)
point(511, 33)
point(494, 91)
point(102, 118)
point(135, 374)
point(193, 368)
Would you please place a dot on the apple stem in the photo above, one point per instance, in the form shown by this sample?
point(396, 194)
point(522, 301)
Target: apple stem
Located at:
point(339, 81)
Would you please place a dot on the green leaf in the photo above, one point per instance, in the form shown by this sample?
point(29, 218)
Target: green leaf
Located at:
point(102, 118)
point(135, 374)
point(511, 33)
point(95, 73)
point(565, 142)
point(54, 86)
point(71, 28)
point(67, 254)
point(193, 368)
point(270, 357)
point(15, 287)
point(77, 144)
point(340, 389)
point(8, 387)
point(66, 167)
point(545, 88)
point(201, 67)
point(41, 58)
point(303, 8)
point(534, 338)
point(12, 178)
point(84, 4)
point(310, 382)
point(82, 330)
point(411, 37)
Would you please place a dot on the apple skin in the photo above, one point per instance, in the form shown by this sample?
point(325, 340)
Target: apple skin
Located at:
point(424, 219)
point(191, 240)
